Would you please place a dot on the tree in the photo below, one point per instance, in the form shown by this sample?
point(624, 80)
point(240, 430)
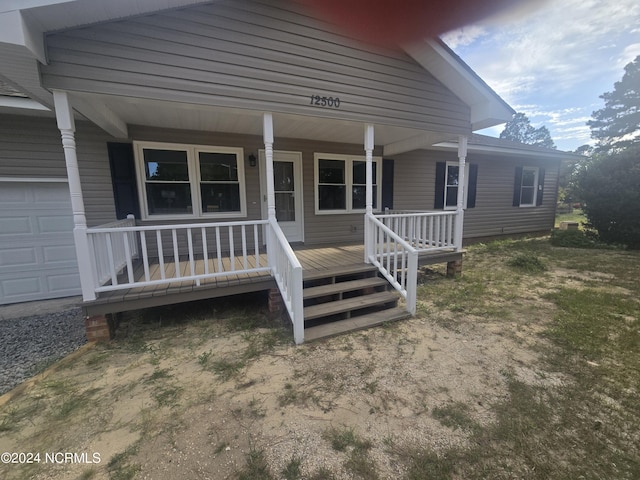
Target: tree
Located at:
point(617, 125)
point(520, 130)
point(608, 186)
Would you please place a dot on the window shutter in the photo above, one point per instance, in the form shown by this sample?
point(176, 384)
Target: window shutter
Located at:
point(540, 186)
point(517, 187)
point(387, 184)
point(473, 180)
point(123, 179)
point(441, 171)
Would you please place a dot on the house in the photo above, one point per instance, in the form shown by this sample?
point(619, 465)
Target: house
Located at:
point(161, 154)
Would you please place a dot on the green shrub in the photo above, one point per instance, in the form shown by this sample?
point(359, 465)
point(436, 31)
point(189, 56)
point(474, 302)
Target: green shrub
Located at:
point(573, 239)
point(528, 262)
point(609, 186)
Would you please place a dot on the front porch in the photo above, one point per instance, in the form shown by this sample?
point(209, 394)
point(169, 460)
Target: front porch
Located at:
point(136, 267)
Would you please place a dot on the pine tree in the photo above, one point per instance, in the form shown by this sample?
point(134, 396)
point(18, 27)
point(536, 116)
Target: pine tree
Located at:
point(520, 130)
point(617, 125)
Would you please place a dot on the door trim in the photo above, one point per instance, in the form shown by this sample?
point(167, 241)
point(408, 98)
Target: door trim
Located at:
point(296, 158)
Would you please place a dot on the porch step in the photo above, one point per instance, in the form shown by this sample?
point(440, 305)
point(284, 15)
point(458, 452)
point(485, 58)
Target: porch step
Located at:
point(350, 304)
point(342, 287)
point(342, 271)
point(355, 323)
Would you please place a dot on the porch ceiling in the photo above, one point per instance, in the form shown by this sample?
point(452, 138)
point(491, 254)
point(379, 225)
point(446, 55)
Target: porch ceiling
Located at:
point(114, 113)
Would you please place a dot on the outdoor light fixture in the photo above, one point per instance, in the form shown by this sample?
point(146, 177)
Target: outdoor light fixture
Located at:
point(252, 160)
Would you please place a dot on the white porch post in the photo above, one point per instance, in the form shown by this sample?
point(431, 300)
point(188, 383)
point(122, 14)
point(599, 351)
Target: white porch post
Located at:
point(368, 148)
point(267, 133)
point(66, 125)
point(268, 153)
point(462, 158)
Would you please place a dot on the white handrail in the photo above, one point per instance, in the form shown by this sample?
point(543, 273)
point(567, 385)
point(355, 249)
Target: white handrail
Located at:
point(117, 247)
point(396, 259)
point(426, 231)
point(287, 272)
point(120, 247)
point(112, 251)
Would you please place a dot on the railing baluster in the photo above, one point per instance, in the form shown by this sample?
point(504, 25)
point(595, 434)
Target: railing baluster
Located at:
point(256, 243)
point(244, 247)
point(205, 250)
point(176, 254)
point(145, 256)
point(160, 253)
point(192, 265)
point(219, 250)
point(112, 267)
point(127, 253)
point(232, 255)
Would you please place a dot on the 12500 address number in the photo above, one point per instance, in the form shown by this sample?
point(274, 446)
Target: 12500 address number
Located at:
point(333, 102)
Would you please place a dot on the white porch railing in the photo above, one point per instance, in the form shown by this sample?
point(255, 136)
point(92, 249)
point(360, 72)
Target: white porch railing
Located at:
point(212, 250)
point(425, 231)
point(217, 242)
point(394, 240)
point(395, 258)
point(112, 250)
point(287, 271)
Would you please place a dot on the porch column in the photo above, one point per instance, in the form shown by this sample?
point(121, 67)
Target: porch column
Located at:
point(368, 149)
point(268, 153)
point(462, 158)
point(267, 134)
point(67, 127)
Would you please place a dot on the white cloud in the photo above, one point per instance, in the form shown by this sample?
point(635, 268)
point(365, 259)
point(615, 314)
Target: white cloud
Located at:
point(558, 45)
point(555, 62)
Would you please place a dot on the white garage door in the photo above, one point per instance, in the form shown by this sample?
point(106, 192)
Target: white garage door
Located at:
point(37, 255)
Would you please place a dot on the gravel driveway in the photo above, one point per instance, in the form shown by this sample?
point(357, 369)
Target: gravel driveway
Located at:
point(30, 343)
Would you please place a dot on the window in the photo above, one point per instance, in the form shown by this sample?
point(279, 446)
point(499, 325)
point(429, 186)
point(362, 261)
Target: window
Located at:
point(179, 181)
point(528, 188)
point(447, 182)
point(451, 180)
point(341, 183)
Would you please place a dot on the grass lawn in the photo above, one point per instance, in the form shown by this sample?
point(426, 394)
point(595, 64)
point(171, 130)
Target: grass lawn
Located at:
point(527, 366)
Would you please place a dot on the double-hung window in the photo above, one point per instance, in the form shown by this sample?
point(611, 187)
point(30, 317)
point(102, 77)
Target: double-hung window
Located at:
point(528, 187)
point(448, 183)
point(189, 181)
point(341, 183)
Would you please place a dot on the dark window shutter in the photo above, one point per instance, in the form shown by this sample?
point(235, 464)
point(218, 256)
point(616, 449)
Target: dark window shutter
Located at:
point(387, 184)
point(540, 186)
point(123, 179)
point(517, 187)
point(473, 181)
point(441, 171)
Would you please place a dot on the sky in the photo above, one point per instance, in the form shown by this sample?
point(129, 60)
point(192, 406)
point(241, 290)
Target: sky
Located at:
point(553, 60)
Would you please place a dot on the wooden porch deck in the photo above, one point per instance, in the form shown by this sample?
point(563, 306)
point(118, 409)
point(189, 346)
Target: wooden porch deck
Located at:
point(313, 260)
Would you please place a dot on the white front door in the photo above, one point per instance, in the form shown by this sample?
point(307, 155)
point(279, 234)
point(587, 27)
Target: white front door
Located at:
point(287, 181)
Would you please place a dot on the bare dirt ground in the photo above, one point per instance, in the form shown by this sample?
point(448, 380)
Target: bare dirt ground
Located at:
point(204, 397)
point(194, 402)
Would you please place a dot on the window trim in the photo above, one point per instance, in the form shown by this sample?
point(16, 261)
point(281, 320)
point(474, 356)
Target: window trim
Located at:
point(536, 180)
point(195, 180)
point(348, 159)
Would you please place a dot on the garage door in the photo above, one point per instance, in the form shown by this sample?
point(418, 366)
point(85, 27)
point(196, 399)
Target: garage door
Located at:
point(37, 255)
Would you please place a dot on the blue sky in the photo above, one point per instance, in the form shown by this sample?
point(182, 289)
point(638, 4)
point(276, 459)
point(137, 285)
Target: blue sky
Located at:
point(553, 59)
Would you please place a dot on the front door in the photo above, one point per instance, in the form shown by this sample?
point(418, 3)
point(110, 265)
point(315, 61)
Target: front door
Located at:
point(287, 180)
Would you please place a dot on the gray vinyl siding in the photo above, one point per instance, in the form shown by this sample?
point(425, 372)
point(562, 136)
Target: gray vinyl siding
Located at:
point(494, 213)
point(31, 147)
point(252, 54)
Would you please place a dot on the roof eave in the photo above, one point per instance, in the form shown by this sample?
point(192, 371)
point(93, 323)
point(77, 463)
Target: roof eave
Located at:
point(488, 109)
